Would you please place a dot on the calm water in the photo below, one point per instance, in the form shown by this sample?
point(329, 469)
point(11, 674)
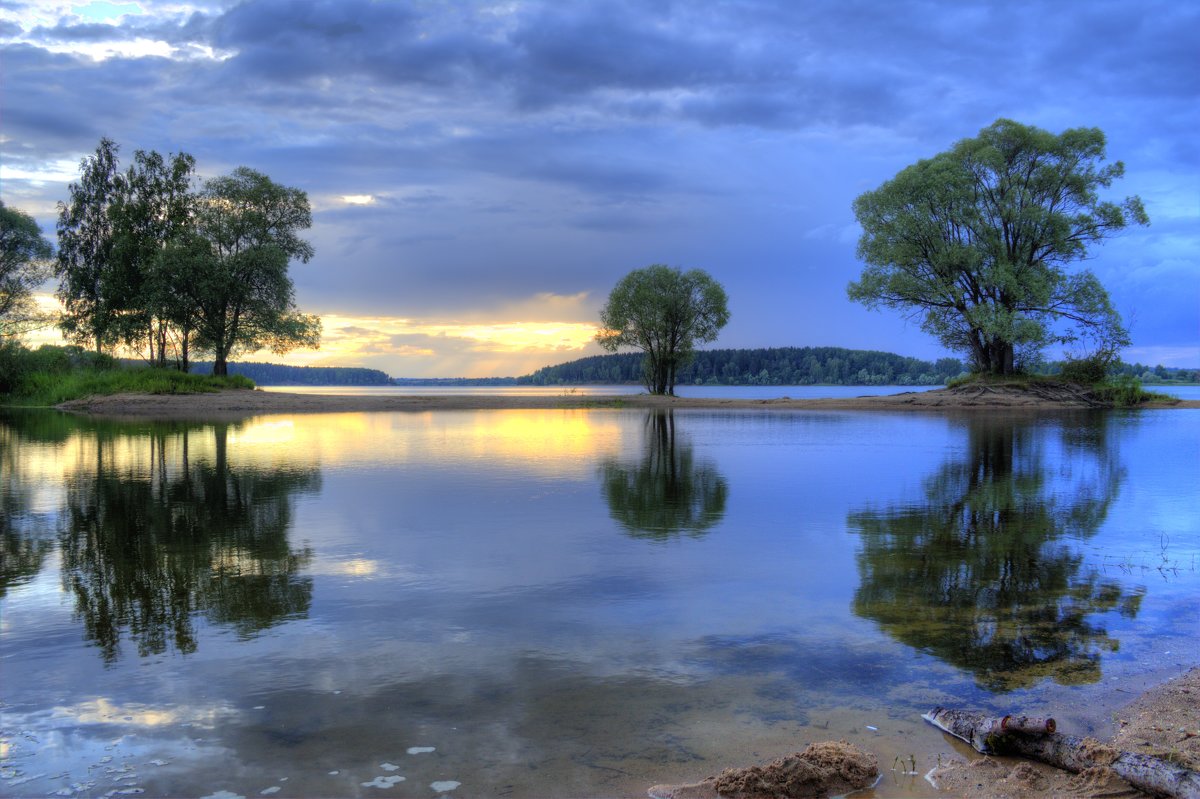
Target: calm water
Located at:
point(571, 603)
point(712, 392)
point(718, 392)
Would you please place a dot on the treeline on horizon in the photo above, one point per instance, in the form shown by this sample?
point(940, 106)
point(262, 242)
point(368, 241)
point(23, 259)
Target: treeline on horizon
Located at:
point(275, 374)
point(768, 366)
point(777, 366)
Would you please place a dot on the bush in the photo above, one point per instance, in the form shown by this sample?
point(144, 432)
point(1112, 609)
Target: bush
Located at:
point(1126, 391)
point(1088, 371)
point(12, 366)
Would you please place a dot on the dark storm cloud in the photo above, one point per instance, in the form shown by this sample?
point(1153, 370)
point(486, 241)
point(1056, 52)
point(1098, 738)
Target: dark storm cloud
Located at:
point(517, 148)
point(386, 41)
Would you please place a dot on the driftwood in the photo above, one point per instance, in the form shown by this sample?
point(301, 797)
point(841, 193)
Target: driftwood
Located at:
point(1036, 739)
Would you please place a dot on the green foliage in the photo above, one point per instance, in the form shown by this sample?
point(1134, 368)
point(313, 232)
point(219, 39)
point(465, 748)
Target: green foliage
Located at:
point(665, 313)
point(153, 207)
point(781, 366)
point(1087, 371)
point(1127, 392)
point(975, 243)
point(1157, 375)
point(23, 266)
point(247, 232)
point(85, 250)
point(50, 375)
point(18, 364)
point(147, 262)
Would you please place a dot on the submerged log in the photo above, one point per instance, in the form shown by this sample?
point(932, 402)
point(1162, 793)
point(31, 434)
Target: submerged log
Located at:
point(991, 736)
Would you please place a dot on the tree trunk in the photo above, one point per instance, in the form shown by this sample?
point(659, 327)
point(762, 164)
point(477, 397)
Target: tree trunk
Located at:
point(992, 736)
point(220, 367)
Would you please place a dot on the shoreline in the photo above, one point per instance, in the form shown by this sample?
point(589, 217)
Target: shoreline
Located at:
point(239, 403)
point(1162, 720)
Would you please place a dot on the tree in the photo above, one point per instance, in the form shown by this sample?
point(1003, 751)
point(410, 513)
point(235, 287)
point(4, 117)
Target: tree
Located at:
point(664, 312)
point(976, 241)
point(85, 245)
point(154, 206)
point(234, 267)
point(23, 267)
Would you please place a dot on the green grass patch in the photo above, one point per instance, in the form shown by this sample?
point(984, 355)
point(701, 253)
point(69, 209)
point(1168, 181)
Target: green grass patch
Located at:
point(1127, 392)
point(1020, 380)
point(50, 375)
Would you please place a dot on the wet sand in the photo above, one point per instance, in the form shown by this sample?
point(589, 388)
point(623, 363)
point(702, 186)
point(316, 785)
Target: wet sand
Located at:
point(1163, 721)
point(242, 403)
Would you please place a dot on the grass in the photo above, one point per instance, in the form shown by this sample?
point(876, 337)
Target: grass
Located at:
point(51, 389)
point(1020, 380)
point(50, 375)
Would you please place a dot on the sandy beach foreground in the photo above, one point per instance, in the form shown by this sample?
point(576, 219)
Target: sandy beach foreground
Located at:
point(242, 403)
point(1164, 722)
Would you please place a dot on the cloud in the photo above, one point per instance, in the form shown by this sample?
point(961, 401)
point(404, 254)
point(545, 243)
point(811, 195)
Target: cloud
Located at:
point(513, 149)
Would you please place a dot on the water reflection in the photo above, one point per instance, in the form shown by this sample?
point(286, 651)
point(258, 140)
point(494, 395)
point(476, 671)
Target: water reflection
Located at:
point(26, 536)
point(981, 572)
point(156, 527)
point(667, 492)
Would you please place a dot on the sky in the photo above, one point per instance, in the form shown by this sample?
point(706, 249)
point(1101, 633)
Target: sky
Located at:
point(483, 173)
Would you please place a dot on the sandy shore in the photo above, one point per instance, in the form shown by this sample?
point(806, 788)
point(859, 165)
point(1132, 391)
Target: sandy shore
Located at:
point(242, 403)
point(1164, 721)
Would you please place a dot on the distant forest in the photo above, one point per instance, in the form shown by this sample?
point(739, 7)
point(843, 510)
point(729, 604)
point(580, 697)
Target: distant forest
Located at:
point(274, 374)
point(1154, 375)
point(781, 366)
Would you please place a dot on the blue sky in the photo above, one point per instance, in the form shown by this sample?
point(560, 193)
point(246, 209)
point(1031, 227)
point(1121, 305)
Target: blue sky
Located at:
point(483, 173)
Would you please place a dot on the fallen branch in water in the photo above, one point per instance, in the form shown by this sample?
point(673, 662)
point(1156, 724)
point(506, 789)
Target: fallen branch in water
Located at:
point(1036, 739)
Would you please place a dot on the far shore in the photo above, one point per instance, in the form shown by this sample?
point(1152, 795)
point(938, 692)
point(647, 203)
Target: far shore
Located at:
point(242, 403)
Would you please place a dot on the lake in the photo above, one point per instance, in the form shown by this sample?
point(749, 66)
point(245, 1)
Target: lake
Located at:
point(571, 602)
point(715, 392)
point(707, 392)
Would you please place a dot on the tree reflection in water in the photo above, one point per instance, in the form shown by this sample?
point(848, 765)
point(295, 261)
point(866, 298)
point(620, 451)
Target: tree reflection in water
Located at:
point(146, 551)
point(26, 537)
point(979, 573)
point(667, 492)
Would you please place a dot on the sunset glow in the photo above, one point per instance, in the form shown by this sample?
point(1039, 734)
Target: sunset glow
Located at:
point(412, 347)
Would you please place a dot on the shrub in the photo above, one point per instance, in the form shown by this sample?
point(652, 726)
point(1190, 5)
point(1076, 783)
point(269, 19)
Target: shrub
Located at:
point(1125, 391)
point(1089, 370)
point(12, 366)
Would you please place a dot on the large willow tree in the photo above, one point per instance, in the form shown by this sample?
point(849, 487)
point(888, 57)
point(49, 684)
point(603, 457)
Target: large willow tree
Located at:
point(977, 242)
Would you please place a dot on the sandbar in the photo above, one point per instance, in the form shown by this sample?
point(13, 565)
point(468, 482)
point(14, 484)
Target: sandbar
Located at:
point(243, 402)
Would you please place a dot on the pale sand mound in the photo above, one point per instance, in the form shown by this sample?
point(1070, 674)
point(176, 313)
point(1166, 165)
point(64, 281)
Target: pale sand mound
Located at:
point(994, 778)
point(822, 769)
point(241, 403)
point(1164, 721)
